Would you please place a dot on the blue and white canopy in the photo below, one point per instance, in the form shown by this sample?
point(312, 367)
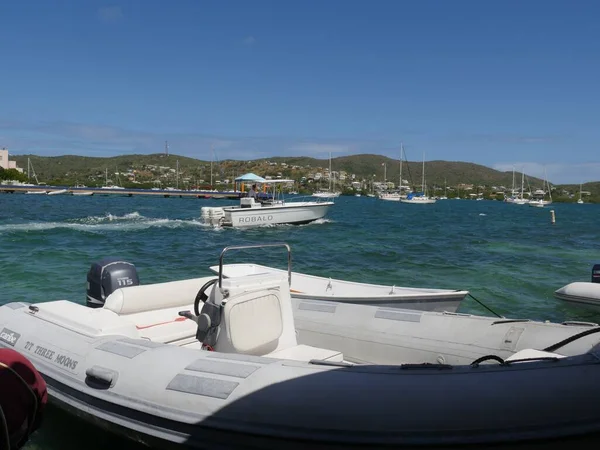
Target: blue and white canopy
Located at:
point(250, 177)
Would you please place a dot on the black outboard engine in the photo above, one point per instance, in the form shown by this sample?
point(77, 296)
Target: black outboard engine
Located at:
point(596, 273)
point(106, 276)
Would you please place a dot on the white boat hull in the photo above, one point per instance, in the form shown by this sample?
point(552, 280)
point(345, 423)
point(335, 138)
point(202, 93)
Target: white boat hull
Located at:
point(418, 201)
point(539, 203)
point(326, 194)
point(59, 192)
point(289, 213)
point(582, 293)
point(93, 361)
point(310, 287)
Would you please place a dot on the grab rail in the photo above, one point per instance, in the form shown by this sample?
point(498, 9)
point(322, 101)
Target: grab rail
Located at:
point(242, 247)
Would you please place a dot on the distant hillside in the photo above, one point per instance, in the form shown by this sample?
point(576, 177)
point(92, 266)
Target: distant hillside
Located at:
point(365, 167)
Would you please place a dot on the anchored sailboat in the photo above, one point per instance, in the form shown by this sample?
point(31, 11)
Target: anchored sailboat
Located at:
point(329, 193)
point(420, 198)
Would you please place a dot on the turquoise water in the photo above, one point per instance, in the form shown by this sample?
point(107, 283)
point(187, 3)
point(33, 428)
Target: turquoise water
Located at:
point(508, 256)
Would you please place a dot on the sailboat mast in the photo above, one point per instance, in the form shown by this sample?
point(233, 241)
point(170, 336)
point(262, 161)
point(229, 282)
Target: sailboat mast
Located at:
point(522, 178)
point(423, 175)
point(211, 166)
point(330, 174)
point(512, 192)
point(400, 182)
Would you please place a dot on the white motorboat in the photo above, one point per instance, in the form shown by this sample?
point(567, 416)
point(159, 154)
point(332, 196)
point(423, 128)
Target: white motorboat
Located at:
point(83, 193)
point(274, 211)
point(310, 287)
point(326, 194)
point(58, 192)
point(583, 293)
point(36, 192)
point(390, 196)
point(256, 369)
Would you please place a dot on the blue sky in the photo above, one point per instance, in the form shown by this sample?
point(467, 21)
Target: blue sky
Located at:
point(495, 83)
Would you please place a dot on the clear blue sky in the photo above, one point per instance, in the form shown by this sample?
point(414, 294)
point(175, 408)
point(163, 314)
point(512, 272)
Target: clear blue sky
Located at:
point(495, 83)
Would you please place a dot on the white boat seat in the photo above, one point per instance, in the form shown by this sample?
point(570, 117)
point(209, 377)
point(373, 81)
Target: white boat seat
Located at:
point(257, 316)
point(84, 320)
point(258, 320)
point(306, 353)
point(164, 326)
point(151, 297)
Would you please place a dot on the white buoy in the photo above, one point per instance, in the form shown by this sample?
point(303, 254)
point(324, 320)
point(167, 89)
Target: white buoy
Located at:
point(552, 217)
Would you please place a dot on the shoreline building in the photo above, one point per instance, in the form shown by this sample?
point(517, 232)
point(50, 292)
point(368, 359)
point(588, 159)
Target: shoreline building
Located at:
point(5, 163)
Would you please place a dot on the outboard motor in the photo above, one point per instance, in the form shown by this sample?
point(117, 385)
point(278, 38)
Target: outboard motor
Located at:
point(106, 276)
point(596, 273)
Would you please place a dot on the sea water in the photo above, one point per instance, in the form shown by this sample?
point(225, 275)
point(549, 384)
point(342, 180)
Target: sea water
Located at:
point(508, 256)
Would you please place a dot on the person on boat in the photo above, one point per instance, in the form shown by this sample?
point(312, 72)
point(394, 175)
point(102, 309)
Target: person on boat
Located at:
point(23, 397)
point(253, 192)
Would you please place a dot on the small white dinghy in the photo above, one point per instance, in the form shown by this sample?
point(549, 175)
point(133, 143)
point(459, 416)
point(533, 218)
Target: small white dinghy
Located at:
point(583, 293)
point(256, 369)
point(310, 287)
point(58, 192)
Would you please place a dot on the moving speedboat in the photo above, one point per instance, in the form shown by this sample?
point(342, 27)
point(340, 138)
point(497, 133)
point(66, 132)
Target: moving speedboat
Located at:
point(310, 287)
point(238, 363)
point(274, 211)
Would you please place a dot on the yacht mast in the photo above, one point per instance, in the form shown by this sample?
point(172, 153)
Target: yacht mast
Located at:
point(423, 175)
point(400, 184)
point(330, 174)
point(211, 166)
point(522, 177)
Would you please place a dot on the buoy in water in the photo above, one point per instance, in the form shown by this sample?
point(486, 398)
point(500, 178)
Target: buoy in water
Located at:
point(552, 217)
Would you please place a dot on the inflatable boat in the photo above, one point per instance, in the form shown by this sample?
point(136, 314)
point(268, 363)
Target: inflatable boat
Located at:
point(582, 293)
point(310, 287)
point(240, 364)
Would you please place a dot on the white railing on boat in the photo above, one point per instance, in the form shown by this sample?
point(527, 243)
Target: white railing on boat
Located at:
point(245, 247)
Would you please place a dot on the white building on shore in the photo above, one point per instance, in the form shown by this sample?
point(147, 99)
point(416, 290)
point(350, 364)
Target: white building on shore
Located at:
point(5, 163)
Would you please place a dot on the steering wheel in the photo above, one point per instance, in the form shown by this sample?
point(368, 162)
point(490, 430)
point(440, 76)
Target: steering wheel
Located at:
point(201, 295)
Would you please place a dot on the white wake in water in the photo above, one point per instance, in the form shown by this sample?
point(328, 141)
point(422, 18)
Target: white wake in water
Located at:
point(129, 222)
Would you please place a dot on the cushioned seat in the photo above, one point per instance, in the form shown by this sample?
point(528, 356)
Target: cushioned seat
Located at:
point(154, 308)
point(258, 320)
point(307, 353)
point(165, 326)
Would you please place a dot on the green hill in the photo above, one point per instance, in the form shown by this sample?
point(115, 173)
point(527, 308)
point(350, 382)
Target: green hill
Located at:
point(71, 169)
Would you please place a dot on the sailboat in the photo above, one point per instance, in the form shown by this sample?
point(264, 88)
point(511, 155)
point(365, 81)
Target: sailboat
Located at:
point(328, 193)
point(444, 197)
point(106, 186)
point(420, 198)
point(538, 200)
point(393, 196)
point(580, 201)
point(521, 200)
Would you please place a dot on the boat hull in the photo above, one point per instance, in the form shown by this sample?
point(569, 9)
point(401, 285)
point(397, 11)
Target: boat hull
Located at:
point(310, 287)
point(200, 399)
point(290, 213)
point(414, 201)
point(93, 360)
point(581, 293)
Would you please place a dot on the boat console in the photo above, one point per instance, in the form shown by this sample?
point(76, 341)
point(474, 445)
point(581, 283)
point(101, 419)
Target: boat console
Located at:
point(252, 315)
